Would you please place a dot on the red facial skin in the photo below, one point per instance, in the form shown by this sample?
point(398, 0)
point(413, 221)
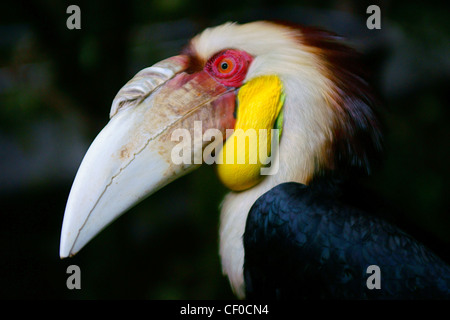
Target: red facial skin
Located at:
point(229, 67)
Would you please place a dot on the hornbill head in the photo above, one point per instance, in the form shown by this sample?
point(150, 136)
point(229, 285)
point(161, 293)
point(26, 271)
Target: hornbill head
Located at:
point(261, 75)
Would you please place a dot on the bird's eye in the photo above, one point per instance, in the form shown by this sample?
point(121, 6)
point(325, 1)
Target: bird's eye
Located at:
point(224, 67)
point(229, 67)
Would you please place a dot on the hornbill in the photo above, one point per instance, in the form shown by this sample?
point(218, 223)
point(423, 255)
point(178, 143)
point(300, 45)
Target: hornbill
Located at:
point(286, 233)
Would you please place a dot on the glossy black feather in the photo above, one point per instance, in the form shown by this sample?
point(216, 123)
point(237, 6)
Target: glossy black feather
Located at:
point(300, 242)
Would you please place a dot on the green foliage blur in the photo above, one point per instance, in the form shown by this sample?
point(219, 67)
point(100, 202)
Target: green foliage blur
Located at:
point(56, 88)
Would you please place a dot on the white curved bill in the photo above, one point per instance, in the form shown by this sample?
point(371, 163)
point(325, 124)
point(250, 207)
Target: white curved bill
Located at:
point(131, 157)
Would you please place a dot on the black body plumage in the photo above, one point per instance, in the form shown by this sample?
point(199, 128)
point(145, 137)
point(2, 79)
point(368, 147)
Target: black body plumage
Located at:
point(301, 242)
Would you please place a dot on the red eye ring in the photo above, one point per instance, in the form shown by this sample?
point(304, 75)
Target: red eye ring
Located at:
point(229, 67)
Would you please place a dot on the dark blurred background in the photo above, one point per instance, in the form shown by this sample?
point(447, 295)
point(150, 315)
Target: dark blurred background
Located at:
point(56, 88)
